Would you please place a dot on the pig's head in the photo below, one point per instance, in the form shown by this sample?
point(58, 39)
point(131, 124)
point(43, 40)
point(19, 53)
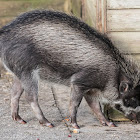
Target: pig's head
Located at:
point(129, 97)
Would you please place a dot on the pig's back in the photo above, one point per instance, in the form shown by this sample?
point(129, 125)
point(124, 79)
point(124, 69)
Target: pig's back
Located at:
point(58, 41)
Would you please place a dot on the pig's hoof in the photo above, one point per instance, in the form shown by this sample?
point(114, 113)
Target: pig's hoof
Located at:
point(51, 125)
point(19, 120)
point(74, 125)
point(22, 121)
point(104, 124)
point(48, 124)
point(111, 124)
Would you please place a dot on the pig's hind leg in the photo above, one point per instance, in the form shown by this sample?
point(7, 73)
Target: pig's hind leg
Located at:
point(30, 84)
point(16, 93)
point(93, 102)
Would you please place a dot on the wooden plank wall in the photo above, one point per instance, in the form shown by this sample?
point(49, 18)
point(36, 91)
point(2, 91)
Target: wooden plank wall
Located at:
point(119, 19)
point(121, 4)
point(95, 14)
point(89, 12)
point(123, 24)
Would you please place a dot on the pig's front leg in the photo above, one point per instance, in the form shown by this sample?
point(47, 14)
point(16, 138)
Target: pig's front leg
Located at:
point(16, 92)
point(93, 102)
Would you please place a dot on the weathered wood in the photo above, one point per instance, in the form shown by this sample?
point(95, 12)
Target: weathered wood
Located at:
point(95, 14)
point(101, 15)
point(123, 20)
point(136, 57)
point(126, 41)
point(89, 12)
point(121, 4)
point(67, 6)
point(76, 8)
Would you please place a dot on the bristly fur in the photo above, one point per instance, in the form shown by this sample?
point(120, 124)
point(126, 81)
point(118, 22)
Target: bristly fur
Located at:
point(126, 64)
point(70, 52)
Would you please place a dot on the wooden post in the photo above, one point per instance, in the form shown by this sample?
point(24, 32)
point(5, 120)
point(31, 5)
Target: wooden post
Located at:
point(101, 15)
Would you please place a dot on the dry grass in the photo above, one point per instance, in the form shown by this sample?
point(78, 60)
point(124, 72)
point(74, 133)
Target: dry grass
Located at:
point(9, 9)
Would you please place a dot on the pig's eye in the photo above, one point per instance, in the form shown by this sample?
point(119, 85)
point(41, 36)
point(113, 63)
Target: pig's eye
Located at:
point(124, 87)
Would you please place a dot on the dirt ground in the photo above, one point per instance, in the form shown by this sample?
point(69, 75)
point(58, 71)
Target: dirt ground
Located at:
point(54, 101)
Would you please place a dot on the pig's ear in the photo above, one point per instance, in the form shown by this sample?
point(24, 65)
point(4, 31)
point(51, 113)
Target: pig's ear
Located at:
point(123, 87)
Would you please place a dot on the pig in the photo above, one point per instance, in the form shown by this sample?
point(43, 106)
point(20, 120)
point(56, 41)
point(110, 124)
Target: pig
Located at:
point(63, 49)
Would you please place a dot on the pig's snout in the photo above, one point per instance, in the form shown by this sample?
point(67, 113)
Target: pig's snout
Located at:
point(133, 102)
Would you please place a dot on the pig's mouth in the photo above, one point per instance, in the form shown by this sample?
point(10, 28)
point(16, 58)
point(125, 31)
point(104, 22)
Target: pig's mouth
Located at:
point(133, 116)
